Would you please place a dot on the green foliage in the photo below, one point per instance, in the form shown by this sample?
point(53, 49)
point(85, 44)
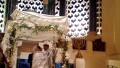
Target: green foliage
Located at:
point(37, 28)
point(65, 45)
point(65, 61)
point(12, 36)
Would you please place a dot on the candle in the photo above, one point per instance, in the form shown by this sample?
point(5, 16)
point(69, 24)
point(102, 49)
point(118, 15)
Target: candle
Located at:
point(80, 63)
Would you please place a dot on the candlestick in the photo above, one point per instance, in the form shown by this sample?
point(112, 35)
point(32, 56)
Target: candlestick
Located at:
point(80, 63)
point(79, 43)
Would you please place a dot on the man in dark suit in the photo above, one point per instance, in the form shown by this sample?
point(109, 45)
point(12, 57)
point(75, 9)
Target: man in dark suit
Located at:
point(30, 59)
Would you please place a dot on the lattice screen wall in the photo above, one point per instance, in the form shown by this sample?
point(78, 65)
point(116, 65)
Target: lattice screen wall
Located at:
point(35, 5)
point(78, 14)
point(77, 10)
point(99, 16)
point(2, 14)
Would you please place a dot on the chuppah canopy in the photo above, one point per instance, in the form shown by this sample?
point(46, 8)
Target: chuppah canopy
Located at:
point(39, 26)
point(28, 25)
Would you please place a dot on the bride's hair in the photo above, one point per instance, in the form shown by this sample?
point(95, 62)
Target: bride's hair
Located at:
point(37, 48)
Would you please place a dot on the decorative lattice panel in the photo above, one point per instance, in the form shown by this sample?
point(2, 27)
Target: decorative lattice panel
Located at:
point(99, 16)
point(2, 14)
point(57, 7)
point(31, 5)
point(78, 17)
point(78, 14)
point(35, 5)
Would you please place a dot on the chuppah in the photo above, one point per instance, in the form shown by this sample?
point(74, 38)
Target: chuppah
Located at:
point(32, 26)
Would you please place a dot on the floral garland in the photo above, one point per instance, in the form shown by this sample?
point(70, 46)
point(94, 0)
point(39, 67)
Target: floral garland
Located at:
point(65, 59)
point(12, 35)
point(36, 28)
point(11, 48)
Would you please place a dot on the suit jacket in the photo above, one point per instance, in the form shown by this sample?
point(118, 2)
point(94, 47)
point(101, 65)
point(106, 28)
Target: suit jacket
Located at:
point(30, 59)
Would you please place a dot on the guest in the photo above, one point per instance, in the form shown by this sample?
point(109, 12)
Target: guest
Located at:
point(58, 59)
point(49, 53)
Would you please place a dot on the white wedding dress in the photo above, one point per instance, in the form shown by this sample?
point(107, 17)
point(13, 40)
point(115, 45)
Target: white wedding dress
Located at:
point(40, 60)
